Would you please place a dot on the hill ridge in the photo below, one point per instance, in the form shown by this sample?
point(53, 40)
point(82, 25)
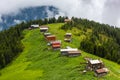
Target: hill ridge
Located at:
point(36, 63)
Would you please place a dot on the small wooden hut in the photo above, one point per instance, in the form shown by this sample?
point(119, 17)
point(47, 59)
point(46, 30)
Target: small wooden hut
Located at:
point(101, 72)
point(68, 37)
point(51, 38)
point(44, 28)
point(67, 20)
point(34, 26)
point(56, 44)
point(47, 34)
point(95, 64)
point(71, 52)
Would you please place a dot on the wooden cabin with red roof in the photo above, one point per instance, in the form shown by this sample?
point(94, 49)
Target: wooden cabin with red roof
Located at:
point(51, 38)
point(56, 44)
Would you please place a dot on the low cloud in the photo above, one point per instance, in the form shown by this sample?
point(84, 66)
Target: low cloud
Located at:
point(0, 28)
point(1, 19)
point(104, 11)
point(17, 21)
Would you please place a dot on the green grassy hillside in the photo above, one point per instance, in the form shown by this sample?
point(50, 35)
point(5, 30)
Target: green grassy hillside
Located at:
point(38, 63)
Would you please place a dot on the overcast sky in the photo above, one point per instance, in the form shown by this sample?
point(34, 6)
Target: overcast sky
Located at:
point(104, 11)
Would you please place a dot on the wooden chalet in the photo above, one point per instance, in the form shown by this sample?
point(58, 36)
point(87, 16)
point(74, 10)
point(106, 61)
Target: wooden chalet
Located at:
point(65, 51)
point(95, 64)
point(70, 52)
point(44, 28)
point(67, 40)
point(34, 26)
point(73, 53)
point(101, 72)
point(56, 44)
point(47, 34)
point(51, 38)
point(67, 20)
point(68, 37)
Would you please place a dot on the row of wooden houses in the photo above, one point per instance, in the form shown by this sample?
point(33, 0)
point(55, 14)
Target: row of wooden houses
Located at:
point(95, 65)
point(50, 38)
point(56, 44)
point(44, 28)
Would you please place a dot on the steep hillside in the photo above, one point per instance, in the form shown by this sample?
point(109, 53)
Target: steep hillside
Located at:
point(99, 39)
point(38, 63)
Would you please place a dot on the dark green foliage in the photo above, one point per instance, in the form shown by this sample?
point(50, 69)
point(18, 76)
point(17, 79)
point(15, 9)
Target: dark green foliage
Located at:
point(60, 19)
point(94, 43)
point(10, 44)
point(52, 20)
point(10, 40)
point(68, 26)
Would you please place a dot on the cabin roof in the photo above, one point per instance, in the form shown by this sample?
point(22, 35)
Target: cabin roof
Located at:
point(35, 25)
point(47, 33)
point(55, 46)
point(103, 70)
point(51, 36)
point(57, 41)
point(68, 34)
point(94, 61)
point(43, 27)
point(75, 49)
point(67, 39)
point(67, 20)
point(73, 52)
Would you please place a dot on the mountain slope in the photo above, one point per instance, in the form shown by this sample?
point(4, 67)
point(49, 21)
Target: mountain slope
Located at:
point(102, 40)
point(27, 14)
point(38, 63)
